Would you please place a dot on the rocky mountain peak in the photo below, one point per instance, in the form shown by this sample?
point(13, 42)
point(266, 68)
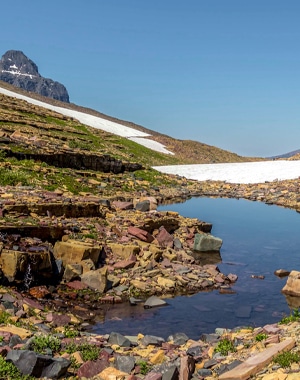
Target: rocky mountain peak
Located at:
point(20, 71)
point(16, 63)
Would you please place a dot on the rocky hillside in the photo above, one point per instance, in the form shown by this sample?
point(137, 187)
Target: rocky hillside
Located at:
point(22, 72)
point(186, 151)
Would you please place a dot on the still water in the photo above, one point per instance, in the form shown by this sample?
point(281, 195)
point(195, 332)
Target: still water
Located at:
point(257, 240)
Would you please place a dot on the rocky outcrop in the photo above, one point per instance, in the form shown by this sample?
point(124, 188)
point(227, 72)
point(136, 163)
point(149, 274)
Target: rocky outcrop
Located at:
point(22, 72)
point(292, 286)
point(79, 160)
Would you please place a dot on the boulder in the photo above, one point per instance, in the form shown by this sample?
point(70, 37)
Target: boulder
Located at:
point(118, 339)
point(124, 251)
point(124, 363)
point(164, 238)
point(207, 243)
point(178, 338)
point(33, 364)
point(92, 368)
point(72, 272)
point(13, 263)
point(143, 206)
point(292, 286)
point(96, 279)
point(187, 367)
point(281, 272)
point(150, 201)
point(154, 301)
point(87, 265)
point(152, 340)
point(125, 264)
point(119, 205)
point(73, 252)
point(140, 234)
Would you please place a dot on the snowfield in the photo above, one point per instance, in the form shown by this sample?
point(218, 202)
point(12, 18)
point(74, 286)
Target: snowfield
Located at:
point(97, 122)
point(245, 172)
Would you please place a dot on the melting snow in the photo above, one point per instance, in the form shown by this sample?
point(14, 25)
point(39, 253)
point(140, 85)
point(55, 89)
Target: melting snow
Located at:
point(97, 122)
point(245, 172)
point(17, 73)
point(151, 144)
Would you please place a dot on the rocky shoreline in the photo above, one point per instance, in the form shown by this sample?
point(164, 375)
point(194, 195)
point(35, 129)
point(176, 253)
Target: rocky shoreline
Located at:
point(122, 248)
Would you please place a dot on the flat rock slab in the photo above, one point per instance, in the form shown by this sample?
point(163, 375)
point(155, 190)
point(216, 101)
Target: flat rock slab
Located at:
point(256, 363)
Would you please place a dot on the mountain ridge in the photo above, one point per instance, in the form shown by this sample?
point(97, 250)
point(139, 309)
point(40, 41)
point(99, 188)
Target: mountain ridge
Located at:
point(20, 71)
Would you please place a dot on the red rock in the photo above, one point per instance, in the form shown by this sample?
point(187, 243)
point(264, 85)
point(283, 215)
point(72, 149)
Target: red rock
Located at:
point(271, 329)
point(232, 277)
point(118, 205)
point(39, 292)
point(77, 285)
point(92, 368)
point(153, 376)
point(140, 234)
point(124, 264)
point(272, 339)
point(219, 279)
point(187, 367)
point(33, 304)
point(164, 238)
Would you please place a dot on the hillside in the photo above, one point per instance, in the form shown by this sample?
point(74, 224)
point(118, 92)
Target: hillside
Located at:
point(96, 140)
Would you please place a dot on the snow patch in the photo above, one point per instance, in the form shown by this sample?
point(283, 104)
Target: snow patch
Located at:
point(244, 172)
point(151, 144)
point(17, 73)
point(97, 122)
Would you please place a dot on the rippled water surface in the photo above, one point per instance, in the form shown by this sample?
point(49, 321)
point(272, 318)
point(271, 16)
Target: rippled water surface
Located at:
point(257, 240)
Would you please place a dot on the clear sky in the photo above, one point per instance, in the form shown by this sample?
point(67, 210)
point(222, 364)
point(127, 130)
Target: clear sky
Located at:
point(223, 72)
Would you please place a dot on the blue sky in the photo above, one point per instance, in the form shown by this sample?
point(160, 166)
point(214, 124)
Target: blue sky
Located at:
point(223, 72)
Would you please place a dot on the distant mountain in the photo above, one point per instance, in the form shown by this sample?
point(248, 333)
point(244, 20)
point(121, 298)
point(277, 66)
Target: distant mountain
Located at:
point(22, 72)
point(287, 155)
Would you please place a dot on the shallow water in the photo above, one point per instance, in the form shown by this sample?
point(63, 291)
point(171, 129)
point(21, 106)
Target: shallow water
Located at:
point(257, 240)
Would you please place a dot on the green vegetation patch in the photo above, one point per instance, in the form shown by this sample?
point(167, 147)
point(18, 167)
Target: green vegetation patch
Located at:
point(260, 337)
point(144, 367)
point(9, 371)
point(41, 343)
point(285, 359)
point(294, 317)
point(225, 346)
point(13, 178)
point(88, 351)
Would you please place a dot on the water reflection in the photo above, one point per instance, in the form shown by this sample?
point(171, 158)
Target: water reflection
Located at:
point(204, 258)
point(257, 240)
